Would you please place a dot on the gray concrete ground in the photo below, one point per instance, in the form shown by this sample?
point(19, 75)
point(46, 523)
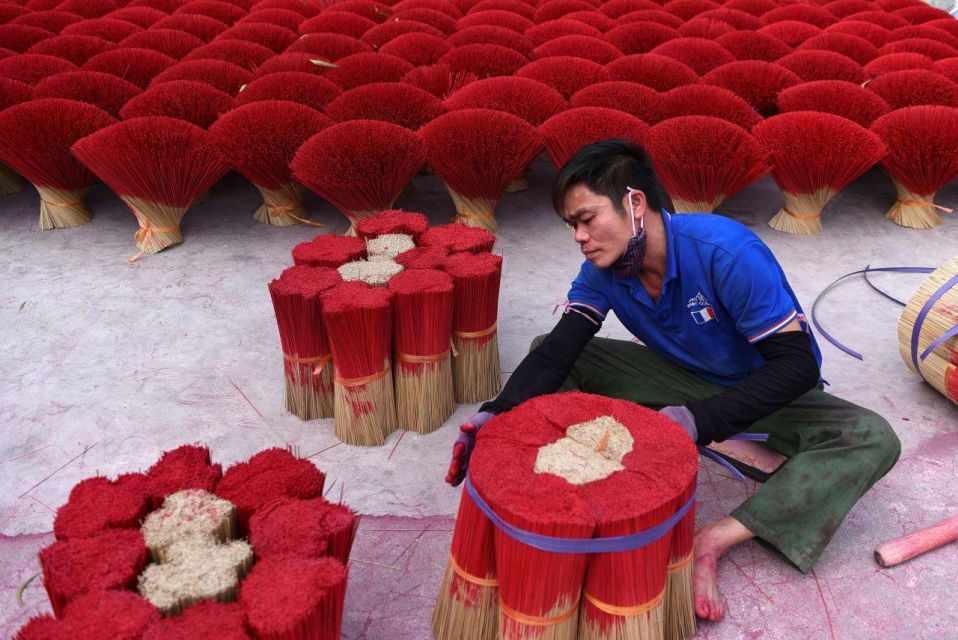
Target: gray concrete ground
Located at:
point(106, 364)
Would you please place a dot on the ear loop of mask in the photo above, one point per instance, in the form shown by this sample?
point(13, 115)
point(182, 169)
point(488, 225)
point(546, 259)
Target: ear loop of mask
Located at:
point(632, 213)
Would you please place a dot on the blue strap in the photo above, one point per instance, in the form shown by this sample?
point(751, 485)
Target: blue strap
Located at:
point(920, 320)
point(552, 544)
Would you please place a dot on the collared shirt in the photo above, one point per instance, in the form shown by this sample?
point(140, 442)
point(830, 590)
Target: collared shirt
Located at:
point(723, 291)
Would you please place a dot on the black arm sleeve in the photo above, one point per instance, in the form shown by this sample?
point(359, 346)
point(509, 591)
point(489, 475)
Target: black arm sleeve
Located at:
point(548, 365)
point(789, 371)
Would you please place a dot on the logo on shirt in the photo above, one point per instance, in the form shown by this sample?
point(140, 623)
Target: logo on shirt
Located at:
point(701, 309)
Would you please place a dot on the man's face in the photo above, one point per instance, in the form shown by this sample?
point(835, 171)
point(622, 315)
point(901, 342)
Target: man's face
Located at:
point(601, 231)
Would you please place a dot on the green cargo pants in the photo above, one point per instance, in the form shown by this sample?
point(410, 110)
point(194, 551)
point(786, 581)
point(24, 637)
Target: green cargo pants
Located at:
point(836, 449)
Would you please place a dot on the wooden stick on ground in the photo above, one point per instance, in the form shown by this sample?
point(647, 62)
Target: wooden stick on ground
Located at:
point(917, 543)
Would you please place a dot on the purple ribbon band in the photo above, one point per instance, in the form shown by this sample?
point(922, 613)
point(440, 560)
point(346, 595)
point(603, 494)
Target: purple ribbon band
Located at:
point(715, 457)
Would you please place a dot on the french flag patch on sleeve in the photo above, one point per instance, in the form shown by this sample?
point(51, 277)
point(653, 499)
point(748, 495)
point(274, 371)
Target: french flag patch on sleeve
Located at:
point(701, 316)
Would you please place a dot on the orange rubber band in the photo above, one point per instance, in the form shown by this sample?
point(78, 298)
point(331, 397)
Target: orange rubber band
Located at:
point(143, 235)
point(800, 216)
point(468, 577)
point(436, 359)
point(680, 564)
point(319, 361)
point(358, 382)
point(901, 203)
point(537, 621)
point(468, 335)
point(287, 210)
point(625, 612)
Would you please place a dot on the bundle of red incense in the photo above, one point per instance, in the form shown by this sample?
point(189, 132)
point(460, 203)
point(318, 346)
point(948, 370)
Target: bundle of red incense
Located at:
point(358, 321)
point(814, 156)
point(528, 99)
point(475, 365)
point(99, 614)
point(186, 467)
point(845, 99)
point(396, 102)
point(393, 221)
point(260, 140)
point(220, 620)
point(458, 238)
point(306, 355)
point(223, 75)
point(36, 141)
point(329, 250)
point(303, 528)
point(631, 97)
point(566, 74)
point(360, 166)
point(159, 166)
point(755, 81)
point(170, 42)
point(709, 100)
point(295, 86)
point(422, 314)
point(99, 89)
point(12, 92)
point(652, 70)
point(567, 132)
point(139, 66)
point(76, 49)
point(97, 504)
point(187, 100)
point(329, 46)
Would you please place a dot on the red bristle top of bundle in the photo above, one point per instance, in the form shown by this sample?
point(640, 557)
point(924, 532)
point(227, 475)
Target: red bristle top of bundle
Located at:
point(268, 476)
point(586, 47)
point(710, 100)
point(948, 68)
point(931, 48)
point(496, 18)
point(417, 48)
point(88, 9)
point(339, 22)
point(566, 74)
point(755, 7)
point(655, 16)
point(858, 49)
point(922, 13)
point(329, 250)
point(437, 19)
point(923, 31)
point(106, 28)
point(443, 6)
point(52, 21)
point(393, 221)
point(811, 150)
point(293, 86)
point(736, 18)
point(97, 504)
point(306, 282)
point(296, 61)
point(734, 158)
point(697, 53)
point(383, 33)
point(922, 146)
point(688, 9)
point(376, 12)
point(38, 135)
point(186, 100)
point(422, 313)
point(845, 99)
point(141, 16)
point(631, 97)
point(170, 42)
point(438, 79)
point(272, 36)
point(222, 11)
point(154, 158)
point(548, 31)
point(791, 32)
point(752, 45)
point(166, 6)
point(329, 46)
point(290, 597)
point(593, 18)
point(555, 9)
point(423, 257)
point(477, 278)
point(366, 68)
point(478, 152)
point(303, 528)
point(358, 320)
point(488, 34)
point(891, 62)
point(111, 559)
point(10, 12)
point(484, 60)
point(139, 66)
point(811, 14)
point(399, 103)
point(915, 87)
point(528, 99)
point(639, 37)
point(945, 24)
point(845, 8)
point(305, 10)
point(567, 132)
point(42, 627)
point(459, 238)
point(280, 17)
point(870, 31)
point(187, 467)
point(109, 615)
point(248, 55)
point(756, 82)
point(618, 8)
point(20, 37)
point(7, 53)
point(76, 49)
point(880, 18)
point(260, 139)
point(31, 68)
point(14, 92)
point(202, 27)
point(220, 620)
point(224, 76)
point(652, 70)
point(822, 65)
point(707, 28)
point(359, 165)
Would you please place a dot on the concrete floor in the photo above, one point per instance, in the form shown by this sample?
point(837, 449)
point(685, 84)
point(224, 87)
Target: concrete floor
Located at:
point(107, 364)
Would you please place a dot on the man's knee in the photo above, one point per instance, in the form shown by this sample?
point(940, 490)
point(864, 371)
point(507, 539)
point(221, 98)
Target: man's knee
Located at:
point(881, 438)
point(537, 341)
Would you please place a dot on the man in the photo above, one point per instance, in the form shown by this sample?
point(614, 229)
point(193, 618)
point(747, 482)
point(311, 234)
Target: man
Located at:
point(726, 350)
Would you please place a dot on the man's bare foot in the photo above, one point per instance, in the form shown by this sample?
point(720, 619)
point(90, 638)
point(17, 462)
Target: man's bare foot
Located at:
point(711, 543)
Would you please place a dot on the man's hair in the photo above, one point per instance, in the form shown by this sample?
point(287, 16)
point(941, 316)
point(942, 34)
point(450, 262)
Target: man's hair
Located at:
point(608, 168)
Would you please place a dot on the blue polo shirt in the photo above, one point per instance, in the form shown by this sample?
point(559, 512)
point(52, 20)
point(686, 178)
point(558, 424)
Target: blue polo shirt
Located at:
point(723, 291)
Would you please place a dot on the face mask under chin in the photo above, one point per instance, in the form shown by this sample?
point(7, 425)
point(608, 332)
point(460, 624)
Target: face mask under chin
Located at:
point(629, 263)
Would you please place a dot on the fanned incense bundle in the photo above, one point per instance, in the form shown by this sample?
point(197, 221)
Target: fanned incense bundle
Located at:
point(159, 166)
point(914, 88)
point(20, 37)
point(358, 321)
point(139, 66)
point(260, 140)
point(97, 504)
point(106, 28)
point(187, 100)
point(76, 49)
point(395, 102)
point(329, 250)
point(202, 27)
point(858, 49)
point(925, 322)
point(306, 355)
point(822, 65)
point(891, 62)
point(882, 19)
point(587, 47)
point(698, 54)
point(224, 621)
point(631, 97)
point(294, 86)
point(477, 153)
point(593, 455)
point(392, 29)
point(809, 13)
point(341, 22)
point(170, 42)
point(329, 46)
point(475, 370)
point(845, 8)
point(248, 55)
point(528, 99)
point(269, 35)
point(31, 68)
point(36, 141)
point(186, 467)
point(360, 166)
point(12, 92)
point(418, 49)
point(752, 45)
point(442, 21)
point(99, 614)
point(656, 16)
point(555, 9)
point(709, 100)
point(99, 89)
point(222, 11)
point(391, 222)
point(736, 18)
point(141, 16)
point(814, 156)
point(422, 314)
point(498, 18)
point(652, 70)
point(791, 32)
point(845, 99)
point(546, 31)
point(931, 48)
point(488, 34)
point(438, 79)
point(922, 157)
point(303, 9)
point(566, 74)
point(948, 68)
point(567, 132)
point(484, 60)
point(706, 28)
point(225, 76)
point(638, 37)
point(442, 6)
point(303, 528)
point(701, 160)
point(754, 7)
point(874, 33)
point(756, 82)
point(280, 17)
point(688, 9)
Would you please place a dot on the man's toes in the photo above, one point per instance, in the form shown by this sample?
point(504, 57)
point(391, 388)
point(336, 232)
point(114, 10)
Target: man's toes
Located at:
point(702, 608)
point(717, 611)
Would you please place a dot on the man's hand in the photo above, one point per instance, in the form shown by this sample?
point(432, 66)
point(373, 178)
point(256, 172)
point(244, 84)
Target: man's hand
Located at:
point(684, 418)
point(462, 449)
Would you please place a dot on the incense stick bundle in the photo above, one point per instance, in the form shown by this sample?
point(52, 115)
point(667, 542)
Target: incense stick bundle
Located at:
point(202, 620)
point(423, 258)
point(374, 272)
point(565, 133)
point(679, 595)
point(329, 250)
point(307, 368)
point(189, 466)
point(422, 315)
point(393, 221)
point(475, 366)
point(358, 321)
point(305, 528)
point(939, 367)
point(99, 89)
point(100, 614)
point(97, 504)
point(458, 238)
